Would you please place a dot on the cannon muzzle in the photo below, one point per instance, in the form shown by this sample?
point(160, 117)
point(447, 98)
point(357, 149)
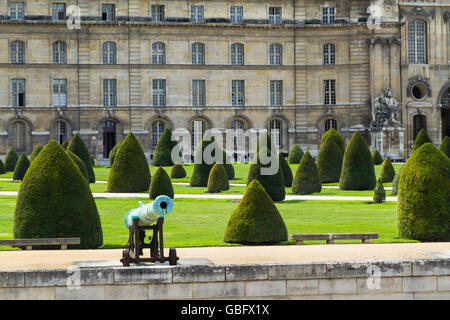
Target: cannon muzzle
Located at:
point(150, 212)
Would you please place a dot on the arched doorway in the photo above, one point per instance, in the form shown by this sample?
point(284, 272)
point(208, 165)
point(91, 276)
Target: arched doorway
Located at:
point(445, 113)
point(109, 137)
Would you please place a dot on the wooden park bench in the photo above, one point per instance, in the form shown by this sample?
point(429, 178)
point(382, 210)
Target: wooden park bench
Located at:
point(330, 237)
point(29, 243)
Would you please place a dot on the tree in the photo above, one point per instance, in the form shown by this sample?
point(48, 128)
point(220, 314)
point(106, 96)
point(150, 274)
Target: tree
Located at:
point(200, 173)
point(379, 195)
point(177, 171)
point(295, 155)
point(10, 160)
point(445, 146)
point(256, 220)
point(307, 179)
point(218, 179)
point(329, 161)
point(2, 167)
point(163, 151)
point(387, 172)
point(79, 163)
point(55, 201)
point(376, 157)
point(422, 137)
point(358, 172)
point(112, 154)
point(336, 136)
point(161, 184)
point(423, 207)
point(286, 171)
point(78, 147)
point(21, 167)
point(130, 171)
point(36, 151)
point(394, 190)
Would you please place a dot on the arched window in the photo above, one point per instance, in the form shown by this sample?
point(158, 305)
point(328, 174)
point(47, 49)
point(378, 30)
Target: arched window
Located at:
point(61, 129)
point(17, 52)
point(109, 53)
point(237, 53)
point(276, 54)
point(18, 135)
point(59, 52)
point(198, 53)
point(158, 53)
point(158, 127)
point(329, 54)
point(198, 128)
point(330, 123)
point(417, 41)
point(276, 132)
point(419, 123)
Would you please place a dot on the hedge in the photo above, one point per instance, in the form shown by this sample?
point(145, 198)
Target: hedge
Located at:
point(21, 167)
point(295, 155)
point(218, 179)
point(10, 160)
point(307, 179)
point(329, 161)
point(161, 184)
point(78, 147)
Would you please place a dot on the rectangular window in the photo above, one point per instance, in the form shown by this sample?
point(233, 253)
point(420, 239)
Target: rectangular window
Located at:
point(159, 92)
point(108, 12)
point(198, 93)
point(275, 15)
point(16, 11)
point(237, 92)
point(157, 13)
point(328, 15)
point(60, 93)
point(109, 92)
point(329, 91)
point(236, 14)
point(18, 92)
point(276, 92)
point(58, 11)
point(197, 14)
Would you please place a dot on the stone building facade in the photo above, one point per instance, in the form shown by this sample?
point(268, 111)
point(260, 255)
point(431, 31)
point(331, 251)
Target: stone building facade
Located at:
point(299, 66)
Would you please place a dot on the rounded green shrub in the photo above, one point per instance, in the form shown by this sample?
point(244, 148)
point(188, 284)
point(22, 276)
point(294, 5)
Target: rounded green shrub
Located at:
point(55, 201)
point(177, 171)
point(295, 155)
point(163, 151)
point(78, 147)
point(329, 161)
point(387, 172)
point(65, 144)
point(273, 183)
point(286, 170)
point(228, 166)
point(2, 167)
point(79, 163)
point(336, 136)
point(423, 207)
point(358, 172)
point(379, 195)
point(256, 220)
point(394, 190)
point(161, 184)
point(21, 167)
point(200, 173)
point(422, 137)
point(445, 146)
point(130, 171)
point(218, 179)
point(376, 158)
point(36, 151)
point(112, 154)
point(307, 179)
point(10, 160)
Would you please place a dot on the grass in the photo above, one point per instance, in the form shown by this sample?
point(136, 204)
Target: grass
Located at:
point(199, 222)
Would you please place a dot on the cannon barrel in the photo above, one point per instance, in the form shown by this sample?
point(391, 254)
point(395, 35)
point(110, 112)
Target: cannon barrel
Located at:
point(150, 212)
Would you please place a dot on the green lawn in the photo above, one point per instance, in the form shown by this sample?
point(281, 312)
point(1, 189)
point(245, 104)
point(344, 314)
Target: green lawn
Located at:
point(198, 222)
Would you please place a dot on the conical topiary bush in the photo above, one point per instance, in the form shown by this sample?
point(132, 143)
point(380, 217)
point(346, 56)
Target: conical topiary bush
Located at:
point(307, 179)
point(112, 154)
point(376, 158)
point(295, 155)
point(394, 190)
point(36, 151)
point(161, 184)
point(79, 163)
point(21, 167)
point(379, 195)
point(358, 172)
point(10, 160)
point(78, 147)
point(422, 137)
point(445, 146)
point(55, 201)
point(163, 151)
point(2, 167)
point(64, 145)
point(130, 171)
point(387, 172)
point(228, 166)
point(177, 171)
point(336, 136)
point(200, 173)
point(286, 170)
point(329, 161)
point(423, 207)
point(218, 179)
point(256, 220)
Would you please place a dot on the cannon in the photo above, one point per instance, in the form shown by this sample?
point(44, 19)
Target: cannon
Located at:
point(148, 217)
